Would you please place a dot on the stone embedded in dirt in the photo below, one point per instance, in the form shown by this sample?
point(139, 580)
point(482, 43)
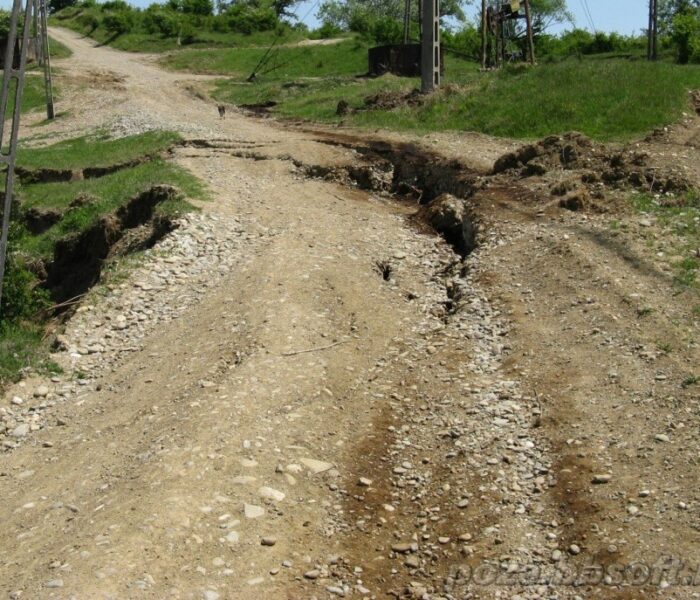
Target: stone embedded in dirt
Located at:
point(17, 401)
point(412, 561)
point(268, 541)
point(602, 478)
point(271, 494)
point(232, 537)
point(405, 548)
point(316, 466)
point(312, 574)
point(364, 482)
point(41, 392)
point(661, 437)
point(20, 431)
point(211, 595)
point(575, 549)
point(243, 479)
point(251, 511)
point(632, 509)
point(54, 583)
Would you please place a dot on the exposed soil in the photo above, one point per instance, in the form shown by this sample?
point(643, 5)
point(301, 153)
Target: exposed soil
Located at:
point(342, 404)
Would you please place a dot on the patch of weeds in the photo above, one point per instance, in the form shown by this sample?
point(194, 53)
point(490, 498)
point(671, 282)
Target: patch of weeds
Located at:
point(679, 217)
point(690, 380)
point(644, 311)
point(665, 347)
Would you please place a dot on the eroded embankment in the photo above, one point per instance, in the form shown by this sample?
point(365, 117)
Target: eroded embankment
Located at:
point(78, 259)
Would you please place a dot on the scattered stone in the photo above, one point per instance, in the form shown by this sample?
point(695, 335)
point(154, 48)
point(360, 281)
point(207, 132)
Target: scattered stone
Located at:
point(364, 482)
point(252, 511)
point(316, 466)
point(599, 479)
point(268, 541)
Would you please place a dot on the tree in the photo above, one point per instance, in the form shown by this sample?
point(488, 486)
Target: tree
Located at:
point(546, 13)
point(669, 9)
point(56, 5)
point(202, 8)
point(363, 15)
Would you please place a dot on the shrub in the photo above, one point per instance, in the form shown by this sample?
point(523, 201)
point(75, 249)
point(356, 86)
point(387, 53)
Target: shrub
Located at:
point(685, 36)
point(119, 22)
point(21, 299)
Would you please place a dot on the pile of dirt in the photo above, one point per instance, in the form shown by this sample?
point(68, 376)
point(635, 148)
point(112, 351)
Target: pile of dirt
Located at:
point(695, 100)
point(389, 100)
point(596, 166)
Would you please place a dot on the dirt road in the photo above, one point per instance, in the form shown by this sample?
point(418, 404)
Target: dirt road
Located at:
point(306, 394)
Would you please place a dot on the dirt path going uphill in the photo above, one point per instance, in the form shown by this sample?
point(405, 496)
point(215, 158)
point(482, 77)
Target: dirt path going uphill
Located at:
point(303, 393)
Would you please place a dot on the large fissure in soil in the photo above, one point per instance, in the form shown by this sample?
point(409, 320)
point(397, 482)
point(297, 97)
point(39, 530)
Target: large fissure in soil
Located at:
point(78, 259)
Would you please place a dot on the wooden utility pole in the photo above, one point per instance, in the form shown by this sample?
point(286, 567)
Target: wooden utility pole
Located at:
point(530, 35)
point(653, 32)
point(430, 46)
point(407, 21)
point(484, 25)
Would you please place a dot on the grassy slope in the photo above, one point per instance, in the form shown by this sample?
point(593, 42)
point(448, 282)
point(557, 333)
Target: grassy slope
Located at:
point(145, 42)
point(110, 191)
point(607, 100)
point(96, 151)
point(21, 343)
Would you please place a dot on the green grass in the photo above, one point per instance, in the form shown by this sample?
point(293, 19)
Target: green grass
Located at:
point(58, 50)
point(96, 151)
point(75, 18)
point(347, 58)
point(607, 100)
point(110, 191)
point(681, 218)
point(21, 348)
point(33, 96)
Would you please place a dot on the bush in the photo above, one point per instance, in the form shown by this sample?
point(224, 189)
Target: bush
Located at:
point(119, 22)
point(387, 31)
point(115, 5)
point(685, 36)
point(328, 30)
point(21, 299)
point(89, 22)
point(163, 22)
point(246, 18)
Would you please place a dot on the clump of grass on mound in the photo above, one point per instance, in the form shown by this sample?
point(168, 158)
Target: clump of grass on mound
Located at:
point(607, 100)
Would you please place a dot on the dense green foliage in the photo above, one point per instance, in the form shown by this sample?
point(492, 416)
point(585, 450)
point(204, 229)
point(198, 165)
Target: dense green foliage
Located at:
point(177, 23)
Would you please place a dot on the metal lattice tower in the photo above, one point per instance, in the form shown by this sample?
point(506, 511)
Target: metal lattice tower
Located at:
point(34, 16)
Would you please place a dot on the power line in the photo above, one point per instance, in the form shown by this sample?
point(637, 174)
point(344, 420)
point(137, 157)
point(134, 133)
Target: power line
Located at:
point(587, 14)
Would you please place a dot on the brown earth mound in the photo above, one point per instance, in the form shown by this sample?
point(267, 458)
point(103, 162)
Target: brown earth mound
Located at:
point(598, 165)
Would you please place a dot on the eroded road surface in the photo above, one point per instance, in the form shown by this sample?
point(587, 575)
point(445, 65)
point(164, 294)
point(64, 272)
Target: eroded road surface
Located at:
point(304, 392)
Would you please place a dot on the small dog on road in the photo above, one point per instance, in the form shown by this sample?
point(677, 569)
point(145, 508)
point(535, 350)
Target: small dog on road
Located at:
point(222, 111)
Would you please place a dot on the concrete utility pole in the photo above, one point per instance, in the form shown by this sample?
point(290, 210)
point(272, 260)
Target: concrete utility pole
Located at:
point(45, 59)
point(653, 33)
point(11, 75)
point(430, 46)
